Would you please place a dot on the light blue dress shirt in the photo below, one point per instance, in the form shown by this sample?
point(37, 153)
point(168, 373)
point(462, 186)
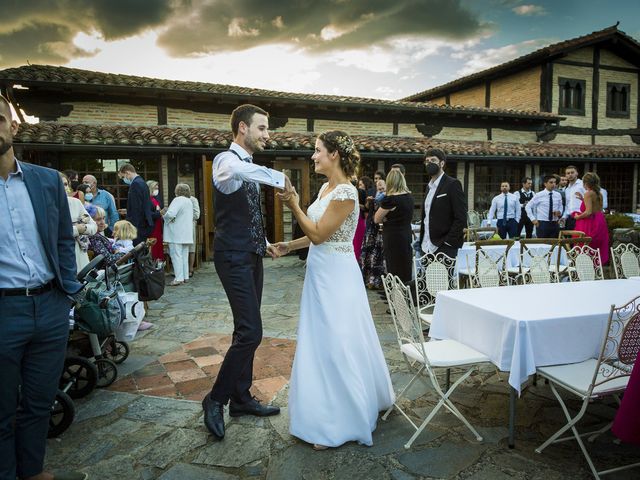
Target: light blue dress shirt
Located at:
point(23, 262)
point(105, 200)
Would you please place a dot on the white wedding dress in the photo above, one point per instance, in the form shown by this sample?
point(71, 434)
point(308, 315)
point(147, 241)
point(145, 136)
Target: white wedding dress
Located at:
point(340, 380)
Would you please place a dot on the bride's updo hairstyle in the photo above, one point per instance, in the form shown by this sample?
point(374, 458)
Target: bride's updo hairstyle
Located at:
point(341, 142)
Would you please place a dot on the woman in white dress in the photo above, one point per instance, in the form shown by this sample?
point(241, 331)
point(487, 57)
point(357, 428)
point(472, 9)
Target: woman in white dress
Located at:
point(340, 380)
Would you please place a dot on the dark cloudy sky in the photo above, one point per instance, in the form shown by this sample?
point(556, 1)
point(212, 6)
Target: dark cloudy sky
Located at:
point(374, 48)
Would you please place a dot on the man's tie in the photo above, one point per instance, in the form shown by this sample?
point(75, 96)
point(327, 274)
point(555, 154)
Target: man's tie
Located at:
point(506, 208)
point(551, 206)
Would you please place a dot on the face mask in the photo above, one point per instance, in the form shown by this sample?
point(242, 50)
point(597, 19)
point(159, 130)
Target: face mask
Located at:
point(155, 193)
point(88, 197)
point(433, 169)
point(126, 180)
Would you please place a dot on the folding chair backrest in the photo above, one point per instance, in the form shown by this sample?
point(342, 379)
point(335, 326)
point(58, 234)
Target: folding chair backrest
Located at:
point(535, 261)
point(403, 312)
point(476, 233)
point(474, 219)
point(435, 273)
point(620, 346)
point(626, 260)
point(571, 234)
point(584, 264)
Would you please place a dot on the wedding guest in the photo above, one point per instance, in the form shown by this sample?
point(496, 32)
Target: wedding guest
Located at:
point(605, 198)
point(545, 209)
point(372, 258)
point(99, 243)
point(82, 190)
point(72, 175)
point(178, 232)
point(506, 208)
point(379, 175)
point(396, 211)
point(358, 238)
point(157, 250)
point(525, 195)
point(139, 209)
point(590, 219)
point(192, 246)
point(83, 226)
point(124, 232)
point(400, 167)
point(572, 201)
point(102, 198)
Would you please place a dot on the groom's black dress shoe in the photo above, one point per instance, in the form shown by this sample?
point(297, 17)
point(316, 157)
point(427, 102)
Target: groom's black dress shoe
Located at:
point(252, 407)
point(214, 417)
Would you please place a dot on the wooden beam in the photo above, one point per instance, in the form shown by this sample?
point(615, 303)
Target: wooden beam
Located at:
point(602, 67)
point(546, 87)
point(595, 91)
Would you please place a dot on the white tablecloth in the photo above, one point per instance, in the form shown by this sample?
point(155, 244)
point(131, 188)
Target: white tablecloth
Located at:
point(526, 326)
point(466, 254)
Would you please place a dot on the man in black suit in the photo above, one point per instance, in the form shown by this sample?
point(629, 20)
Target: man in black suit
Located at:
point(525, 195)
point(444, 212)
point(139, 207)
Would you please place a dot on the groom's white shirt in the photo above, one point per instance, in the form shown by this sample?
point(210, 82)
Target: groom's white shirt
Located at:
point(229, 171)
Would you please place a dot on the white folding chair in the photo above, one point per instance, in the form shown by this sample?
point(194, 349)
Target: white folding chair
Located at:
point(491, 264)
point(595, 378)
point(626, 260)
point(429, 355)
point(584, 264)
point(434, 273)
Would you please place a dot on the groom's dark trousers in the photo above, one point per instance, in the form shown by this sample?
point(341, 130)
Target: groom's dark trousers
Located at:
point(241, 275)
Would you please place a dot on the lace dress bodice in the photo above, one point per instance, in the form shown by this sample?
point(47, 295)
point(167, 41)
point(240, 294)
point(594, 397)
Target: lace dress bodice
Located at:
point(342, 240)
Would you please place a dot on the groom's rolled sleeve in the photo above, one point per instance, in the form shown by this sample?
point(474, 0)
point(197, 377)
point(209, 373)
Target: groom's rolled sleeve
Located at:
point(229, 172)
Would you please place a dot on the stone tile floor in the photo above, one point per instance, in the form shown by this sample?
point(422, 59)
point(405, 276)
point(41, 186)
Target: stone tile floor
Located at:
point(148, 425)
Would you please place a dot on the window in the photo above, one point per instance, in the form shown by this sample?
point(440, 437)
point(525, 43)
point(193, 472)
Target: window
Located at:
point(487, 179)
point(618, 100)
point(572, 94)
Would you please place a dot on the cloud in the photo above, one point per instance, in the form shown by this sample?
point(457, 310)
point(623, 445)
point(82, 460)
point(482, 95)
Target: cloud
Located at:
point(313, 25)
point(529, 10)
point(41, 31)
point(478, 60)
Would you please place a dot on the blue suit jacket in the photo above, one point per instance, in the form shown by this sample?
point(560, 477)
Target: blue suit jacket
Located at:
point(139, 206)
point(51, 209)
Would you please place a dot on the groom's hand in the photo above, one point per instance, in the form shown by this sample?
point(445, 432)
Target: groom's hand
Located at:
point(272, 251)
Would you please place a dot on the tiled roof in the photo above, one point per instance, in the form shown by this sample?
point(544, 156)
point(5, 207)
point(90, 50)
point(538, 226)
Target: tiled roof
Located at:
point(204, 138)
point(540, 54)
point(32, 75)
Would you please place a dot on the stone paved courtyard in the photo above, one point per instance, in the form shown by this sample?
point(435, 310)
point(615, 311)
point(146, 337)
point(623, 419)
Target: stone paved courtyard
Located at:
point(148, 425)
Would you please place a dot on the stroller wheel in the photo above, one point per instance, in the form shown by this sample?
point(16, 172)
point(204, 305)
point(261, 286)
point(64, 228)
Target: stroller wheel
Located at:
point(116, 350)
point(62, 413)
point(107, 372)
point(80, 375)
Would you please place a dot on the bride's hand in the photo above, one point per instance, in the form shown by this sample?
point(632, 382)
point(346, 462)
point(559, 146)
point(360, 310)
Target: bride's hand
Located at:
point(290, 198)
point(282, 248)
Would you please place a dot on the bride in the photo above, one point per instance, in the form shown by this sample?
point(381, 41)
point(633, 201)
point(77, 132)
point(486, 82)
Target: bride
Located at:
point(339, 380)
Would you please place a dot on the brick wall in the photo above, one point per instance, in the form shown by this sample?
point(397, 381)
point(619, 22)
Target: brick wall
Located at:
point(471, 97)
point(520, 90)
point(515, 136)
point(614, 140)
point(451, 133)
point(578, 73)
point(573, 139)
point(111, 113)
point(439, 101)
point(355, 128)
point(294, 125)
point(582, 55)
point(408, 130)
point(187, 118)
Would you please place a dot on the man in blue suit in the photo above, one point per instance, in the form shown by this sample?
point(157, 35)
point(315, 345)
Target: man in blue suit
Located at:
point(139, 207)
point(37, 275)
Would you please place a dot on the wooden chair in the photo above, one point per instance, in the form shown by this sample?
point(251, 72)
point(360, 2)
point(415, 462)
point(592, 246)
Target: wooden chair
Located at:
point(473, 234)
point(490, 265)
point(534, 262)
point(571, 234)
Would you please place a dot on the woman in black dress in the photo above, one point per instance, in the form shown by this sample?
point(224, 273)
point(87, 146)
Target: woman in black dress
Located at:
point(396, 211)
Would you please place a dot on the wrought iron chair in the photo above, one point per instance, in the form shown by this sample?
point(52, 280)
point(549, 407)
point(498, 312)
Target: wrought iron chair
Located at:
point(595, 378)
point(584, 264)
point(626, 260)
point(429, 355)
point(490, 265)
point(434, 273)
point(474, 219)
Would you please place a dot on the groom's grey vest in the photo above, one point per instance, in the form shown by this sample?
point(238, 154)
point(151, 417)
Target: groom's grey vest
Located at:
point(238, 219)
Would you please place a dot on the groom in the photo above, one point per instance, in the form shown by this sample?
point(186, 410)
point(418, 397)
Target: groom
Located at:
point(239, 246)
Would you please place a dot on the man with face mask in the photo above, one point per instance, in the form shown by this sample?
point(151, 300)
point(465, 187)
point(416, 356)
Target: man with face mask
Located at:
point(444, 212)
point(101, 198)
point(139, 209)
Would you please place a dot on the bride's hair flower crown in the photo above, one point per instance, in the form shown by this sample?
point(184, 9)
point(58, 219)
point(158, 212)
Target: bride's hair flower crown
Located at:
point(345, 143)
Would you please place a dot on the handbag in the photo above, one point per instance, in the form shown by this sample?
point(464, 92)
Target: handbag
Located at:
point(148, 276)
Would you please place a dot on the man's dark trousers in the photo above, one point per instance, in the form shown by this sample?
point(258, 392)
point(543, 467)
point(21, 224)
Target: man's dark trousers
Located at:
point(525, 222)
point(33, 343)
point(510, 228)
point(241, 275)
point(547, 229)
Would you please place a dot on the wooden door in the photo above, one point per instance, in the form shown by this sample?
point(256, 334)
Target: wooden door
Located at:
point(298, 172)
point(207, 221)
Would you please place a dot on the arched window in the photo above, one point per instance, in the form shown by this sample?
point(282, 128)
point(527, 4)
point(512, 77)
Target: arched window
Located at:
point(618, 100)
point(572, 94)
